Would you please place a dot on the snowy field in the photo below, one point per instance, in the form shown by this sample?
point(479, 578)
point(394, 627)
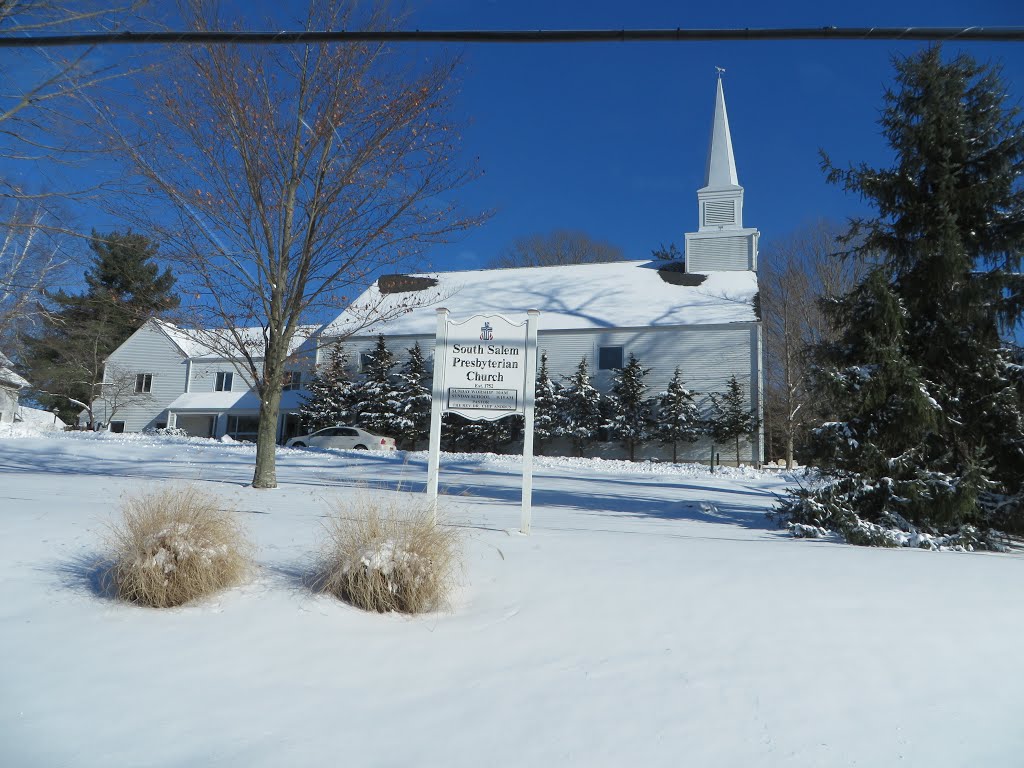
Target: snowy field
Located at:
point(653, 618)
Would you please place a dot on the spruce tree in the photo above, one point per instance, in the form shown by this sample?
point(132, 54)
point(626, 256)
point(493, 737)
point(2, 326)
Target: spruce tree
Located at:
point(581, 409)
point(330, 392)
point(731, 416)
point(481, 435)
point(415, 398)
point(378, 399)
point(928, 436)
point(678, 419)
point(630, 417)
point(546, 407)
point(124, 287)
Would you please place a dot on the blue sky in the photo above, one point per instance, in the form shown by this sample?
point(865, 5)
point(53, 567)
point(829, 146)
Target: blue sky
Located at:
point(611, 138)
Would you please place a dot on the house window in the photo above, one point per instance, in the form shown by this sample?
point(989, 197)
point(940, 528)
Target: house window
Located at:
point(118, 426)
point(243, 427)
point(224, 379)
point(143, 383)
point(609, 358)
point(365, 361)
point(292, 380)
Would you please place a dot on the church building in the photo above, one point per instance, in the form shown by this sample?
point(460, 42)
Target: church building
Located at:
point(701, 316)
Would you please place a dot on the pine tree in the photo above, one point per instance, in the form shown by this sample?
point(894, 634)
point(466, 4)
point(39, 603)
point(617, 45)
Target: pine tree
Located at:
point(378, 399)
point(731, 416)
point(415, 398)
point(581, 409)
point(330, 393)
point(679, 419)
point(546, 407)
point(630, 416)
point(929, 430)
point(461, 434)
point(124, 288)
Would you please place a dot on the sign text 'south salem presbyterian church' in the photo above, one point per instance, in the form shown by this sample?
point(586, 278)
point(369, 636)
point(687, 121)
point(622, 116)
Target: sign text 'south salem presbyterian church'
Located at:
point(485, 368)
point(488, 370)
point(483, 364)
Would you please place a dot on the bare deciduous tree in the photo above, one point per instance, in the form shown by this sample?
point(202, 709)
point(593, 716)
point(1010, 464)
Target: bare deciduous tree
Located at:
point(32, 257)
point(796, 272)
point(284, 180)
point(559, 247)
point(45, 113)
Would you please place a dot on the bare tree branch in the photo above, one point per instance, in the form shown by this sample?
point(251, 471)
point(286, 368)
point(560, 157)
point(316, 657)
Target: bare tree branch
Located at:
point(559, 247)
point(285, 181)
point(796, 273)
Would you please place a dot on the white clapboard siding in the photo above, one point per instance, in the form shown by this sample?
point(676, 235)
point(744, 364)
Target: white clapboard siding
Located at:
point(148, 350)
point(711, 254)
point(707, 355)
point(8, 404)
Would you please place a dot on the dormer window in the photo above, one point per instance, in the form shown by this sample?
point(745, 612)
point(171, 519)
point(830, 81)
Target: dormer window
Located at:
point(224, 381)
point(292, 380)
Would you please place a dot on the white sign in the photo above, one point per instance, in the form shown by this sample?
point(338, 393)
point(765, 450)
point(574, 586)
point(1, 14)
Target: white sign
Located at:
point(484, 368)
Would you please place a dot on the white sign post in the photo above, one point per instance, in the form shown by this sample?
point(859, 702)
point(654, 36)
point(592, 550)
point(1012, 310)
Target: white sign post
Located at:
point(484, 368)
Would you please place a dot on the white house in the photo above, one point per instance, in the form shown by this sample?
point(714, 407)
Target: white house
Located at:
point(10, 385)
point(166, 376)
point(703, 319)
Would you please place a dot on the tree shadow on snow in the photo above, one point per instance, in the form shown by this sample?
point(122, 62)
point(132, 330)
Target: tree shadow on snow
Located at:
point(632, 499)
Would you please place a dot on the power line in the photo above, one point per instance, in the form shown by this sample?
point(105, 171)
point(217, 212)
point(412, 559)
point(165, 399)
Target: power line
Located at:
point(680, 34)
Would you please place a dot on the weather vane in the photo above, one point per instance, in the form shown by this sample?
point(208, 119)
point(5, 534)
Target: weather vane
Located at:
point(720, 71)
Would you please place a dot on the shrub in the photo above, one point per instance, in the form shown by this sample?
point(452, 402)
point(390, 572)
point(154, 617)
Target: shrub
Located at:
point(175, 545)
point(166, 432)
point(389, 556)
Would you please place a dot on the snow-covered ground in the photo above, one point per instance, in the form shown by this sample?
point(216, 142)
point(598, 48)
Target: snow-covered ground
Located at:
point(653, 618)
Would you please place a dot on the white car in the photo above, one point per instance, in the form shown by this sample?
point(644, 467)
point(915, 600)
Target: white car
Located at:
point(343, 437)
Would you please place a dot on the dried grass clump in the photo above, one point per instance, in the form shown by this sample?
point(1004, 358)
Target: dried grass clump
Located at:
point(385, 556)
point(175, 545)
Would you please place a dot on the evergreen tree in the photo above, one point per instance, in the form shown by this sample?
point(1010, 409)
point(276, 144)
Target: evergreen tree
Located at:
point(378, 399)
point(124, 287)
point(731, 416)
point(581, 409)
point(462, 434)
point(546, 407)
point(415, 398)
point(330, 393)
point(630, 416)
point(679, 419)
point(928, 436)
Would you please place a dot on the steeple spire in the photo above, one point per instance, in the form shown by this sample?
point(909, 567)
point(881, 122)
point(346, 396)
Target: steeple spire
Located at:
point(721, 242)
point(721, 165)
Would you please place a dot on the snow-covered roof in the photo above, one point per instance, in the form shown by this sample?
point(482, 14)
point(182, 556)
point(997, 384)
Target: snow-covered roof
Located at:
point(213, 343)
point(625, 294)
point(7, 374)
point(248, 400)
point(39, 418)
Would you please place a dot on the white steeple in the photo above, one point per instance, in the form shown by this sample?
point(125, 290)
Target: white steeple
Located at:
point(721, 242)
point(721, 165)
point(721, 197)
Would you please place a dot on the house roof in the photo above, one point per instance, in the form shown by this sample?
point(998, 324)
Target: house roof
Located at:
point(7, 374)
point(220, 402)
point(215, 343)
point(583, 296)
